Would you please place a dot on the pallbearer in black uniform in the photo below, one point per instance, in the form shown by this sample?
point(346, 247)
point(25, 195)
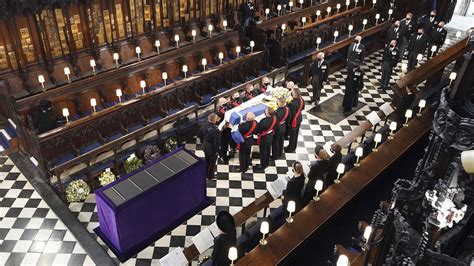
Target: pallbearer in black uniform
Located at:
point(235, 99)
point(296, 107)
point(417, 45)
point(354, 84)
point(282, 113)
point(356, 52)
point(250, 92)
point(247, 129)
point(211, 140)
point(393, 33)
point(438, 36)
point(407, 28)
point(389, 61)
point(265, 137)
point(319, 75)
point(226, 139)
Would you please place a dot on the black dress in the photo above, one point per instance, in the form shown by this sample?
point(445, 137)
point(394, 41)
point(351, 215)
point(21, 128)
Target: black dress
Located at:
point(318, 171)
point(222, 244)
point(293, 191)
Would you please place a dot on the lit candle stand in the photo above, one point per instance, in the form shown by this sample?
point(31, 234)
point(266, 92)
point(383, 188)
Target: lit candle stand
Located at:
point(232, 255)
point(193, 34)
point(221, 57)
point(318, 186)
point(204, 63)
point(318, 13)
point(348, 3)
point(377, 140)
point(377, 17)
point(336, 33)
point(452, 77)
point(390, 12)
point(143, 85)
point(138, 51)
point(210, 28)
point(358, 153)
point(364, 23)
point(343, 260)
point(92, 64)
point(318, 42)
point(290, 4)
point(66, 114)
point(94, 104)
point(118, 92)
point(185, 70)
point(291, 209)
point(283, 28)
point(267, 12)
point(421, 105)
point(164, 76)
point(338, 7)
point(301, 4)
point(408, 115)
point(67, 72)
point(303, 20)
point(41, 81)
point(350, 28)
point(176, 39)
point(340, 170)
point(237, 50)
point(264, 229)
point(224, 24)
point(116, 58)
point(252, 45)
point(279, 9)
point(367, 234)
point(157, 45)
point(393, 127)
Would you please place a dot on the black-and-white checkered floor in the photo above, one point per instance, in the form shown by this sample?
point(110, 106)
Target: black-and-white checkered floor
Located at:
point(30, 232)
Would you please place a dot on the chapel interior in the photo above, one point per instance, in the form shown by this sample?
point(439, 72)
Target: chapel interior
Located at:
point(236, 132)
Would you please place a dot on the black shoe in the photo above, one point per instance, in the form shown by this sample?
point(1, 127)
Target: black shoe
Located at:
point(259, 167)
point(288, 150)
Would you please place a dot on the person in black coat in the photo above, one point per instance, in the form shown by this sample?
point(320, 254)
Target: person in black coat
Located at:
point(438, 36)
point(407, 28)
point(354, 84)
point(247, 129)
point(294, 187)
point(211, 140)
point(390, 60)
point(356, 52)
point(44, 119)
point(417, 45)
point(247, 14)
point(319, 74)
point(282, 113)
point(226, 139)
point(265, 137)
point(429, 23)
point(223, 242)
point(318, 171)
point(296, 117)
point(393, 33)
point(334, 161)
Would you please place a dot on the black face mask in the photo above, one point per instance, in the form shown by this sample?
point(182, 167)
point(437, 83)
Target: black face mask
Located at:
point(420, 33)
point(266, 84)
point(439, 26)
point(433, 16)
point(391, 45)
point(356, 41)
point(319, 59)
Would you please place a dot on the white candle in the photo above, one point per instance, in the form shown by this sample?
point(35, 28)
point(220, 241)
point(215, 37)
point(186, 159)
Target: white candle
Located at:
point(92, 63)
point(41, 80)
point(329, 11)
point(348, 2)
point(318, 42)
point(290, 4)
point(221, 56)
point(93, 104)
point(116, 58)
point(318, 186)
point(279, 9)
point(367, 233)
point(336, 33)
point(264, 229)
point(364, 22)
point(210, 28)
point(176, 39)
point(343, 260)
point(237, 50)
point(267, 12)
point(318, 13)
point(66, 114)
point(138, 51)
point(408, 115)
point(157, 45)
point(232, 255)
point(338, 6)
point(452, 77)
point(350, 28)
point(118, 92)
point(377, 140)
point(185, 70)
point(164, 76)
point(204, 63)
point(390, 12)
point(193, 33)
point(291, 207)
point(143, 85)
point(67, 72)
point(252, 45)
point(374, 2)
point(224, 24)
point(358, 152)
point(301, 4)
point(340, 170)
point(421, 105)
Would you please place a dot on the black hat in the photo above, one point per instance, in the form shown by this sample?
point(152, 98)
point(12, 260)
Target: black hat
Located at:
point(225, 222)
point(317, 149)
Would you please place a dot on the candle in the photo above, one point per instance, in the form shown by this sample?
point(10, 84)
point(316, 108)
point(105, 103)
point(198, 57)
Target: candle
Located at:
point(232, 255)
point(408, 115)
point(373, 3)
point(301, 4)
point(340, 170)
point(252, 44)
point(338, 6)
point(67, 72)
point(390, 12)
point(224, 24)
point(118, 92)
point(358, 152)
point(92, 63)
point(291, 207)
point(367, 233)
point(329, 11)
point(421, 105)
point(290, 4)
point(116, 58)
point(157, 45)
point(264, 229)
point(267, 11)
point(279, 9)
point(377, 140)
point(318, 42)
point(237, 50)
point(66, 114)
point(93, 104)
point(452, 77)
point(343, 260)
point(221, 56)
point(348, 2)
point(143, 85)
point(318, 186)
point(193, 33)
point(350, 28)
point(283, 28)
point(185, 70)
point(364, 22)
point(176, 39)
point(377, 17)
point(393, 127)
point(318, 13)
point(138, 51)
point(210, 28)
point(164, 76)
point(303, 20)
point(336, 33)
point(204, 63)
point(41, 80)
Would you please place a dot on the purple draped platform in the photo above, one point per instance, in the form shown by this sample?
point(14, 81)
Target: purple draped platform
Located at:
point(129, 226)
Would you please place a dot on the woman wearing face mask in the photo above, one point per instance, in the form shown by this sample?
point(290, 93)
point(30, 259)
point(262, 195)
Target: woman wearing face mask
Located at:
point(354, 84)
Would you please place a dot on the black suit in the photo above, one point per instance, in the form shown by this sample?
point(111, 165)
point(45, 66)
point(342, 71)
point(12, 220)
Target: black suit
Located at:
point(246, 146)
point(354, 84)
point(247, 14)
point(222, 244)
point(280, 130)
point(296, 107)
point(393, 33)
point(226, 138)
point(318, 171)
point(293, 191)
point(429, 24)
point(319, 73)
point(355, 53)
point(389, 61)
point(438, 36)
point(417, 45)
point(334, 161)
point(265, 131)
point(407, 28)
point(211, 142)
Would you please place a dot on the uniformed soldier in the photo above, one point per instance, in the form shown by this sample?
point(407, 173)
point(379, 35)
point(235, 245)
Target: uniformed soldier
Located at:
point(389, 61)
point(438, 36)
point(250, 92)
point(355, 53)
point(247, 130)
point(226, 140)
point(407, 28)
point(416, 46)
point(235, 99)
point(429, 23)
point(393, 33)
point(296, 107)
point(282, 113)
point(210, 137)
point(319, 75)
point(265, 137)
point(354, 84)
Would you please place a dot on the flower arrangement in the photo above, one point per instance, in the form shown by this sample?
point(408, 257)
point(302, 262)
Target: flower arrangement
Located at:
point(152, 152)
point(132, 164)
point(106, 178)
point(78, 190)
point(171, 144)
point(280, 92)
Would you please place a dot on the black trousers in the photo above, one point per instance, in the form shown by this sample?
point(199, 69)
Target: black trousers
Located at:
point(265, 148)
point(277, 145)
point(317, 84)
point(244, 156)
point(294, 132)
point(411, 61)
point(225, 141)
point(387, 71)
point(211, 160)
